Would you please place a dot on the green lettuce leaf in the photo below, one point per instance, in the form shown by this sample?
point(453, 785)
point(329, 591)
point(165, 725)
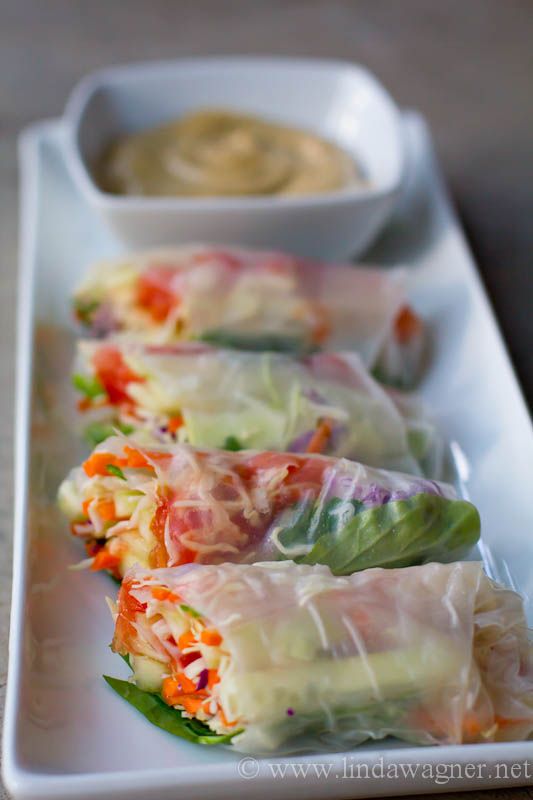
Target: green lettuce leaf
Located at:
point(400, 533)
point(90, 387)
point(97, 432)
point(168, 719)
point(274, 342)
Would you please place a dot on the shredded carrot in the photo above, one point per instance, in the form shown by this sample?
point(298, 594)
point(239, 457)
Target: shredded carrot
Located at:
point(226, 722)
point(169, 690)
point(155, 456)
point(97, 463)
point(105, 560)
point(174, 423)
point(472, 726)
point(190, 704)
point(186, 639)
point(504, 722)
point(406, 325)
point(182, 691)
point(320, 437)
point(212, 678)
point(210, 637)
point(187, 685)
point(85, 506)
point(106, 510)
point(162, 593)
point(134, 458)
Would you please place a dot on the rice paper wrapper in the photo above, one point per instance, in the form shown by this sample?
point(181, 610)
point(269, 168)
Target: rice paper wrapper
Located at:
point(435, 654)
point(248, 299)
point(178, 504)
point(213, 397)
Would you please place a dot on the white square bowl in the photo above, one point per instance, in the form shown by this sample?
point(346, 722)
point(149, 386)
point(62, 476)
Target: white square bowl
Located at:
point(339, 101)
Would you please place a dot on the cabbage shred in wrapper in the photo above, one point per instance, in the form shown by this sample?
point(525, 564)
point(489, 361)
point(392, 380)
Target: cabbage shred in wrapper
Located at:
point(287, 657)
point(256, 300)
point(213, 397)
point(177, 504)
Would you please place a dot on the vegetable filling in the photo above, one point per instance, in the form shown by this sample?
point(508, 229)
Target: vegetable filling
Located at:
point(196, 657)
point(176, 505)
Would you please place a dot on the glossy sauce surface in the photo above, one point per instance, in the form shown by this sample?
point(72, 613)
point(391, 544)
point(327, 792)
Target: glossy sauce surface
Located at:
point(221, 153)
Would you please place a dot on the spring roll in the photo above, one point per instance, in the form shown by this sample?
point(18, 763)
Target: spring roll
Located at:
point(256, 300)
point(232, 399)
point(283, 656)
point(178, 504)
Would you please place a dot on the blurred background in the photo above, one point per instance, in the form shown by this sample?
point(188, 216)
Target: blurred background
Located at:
point(467, 65)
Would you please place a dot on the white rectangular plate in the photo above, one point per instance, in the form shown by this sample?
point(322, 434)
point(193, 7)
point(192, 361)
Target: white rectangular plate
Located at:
point(66, 733)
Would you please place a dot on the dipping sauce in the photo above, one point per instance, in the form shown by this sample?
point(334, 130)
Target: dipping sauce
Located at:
point(214, 153)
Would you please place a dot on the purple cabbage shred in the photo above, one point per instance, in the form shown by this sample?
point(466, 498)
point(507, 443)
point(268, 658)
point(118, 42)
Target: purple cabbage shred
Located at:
point(202, 680)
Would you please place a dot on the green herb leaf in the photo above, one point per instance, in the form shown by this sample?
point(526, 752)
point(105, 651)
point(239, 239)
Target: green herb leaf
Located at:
point(123, 428)
point(168, 719)
point(190, 610)
point(97, 432)
point(90, 387)
point(116, 471)
point(401, 533)
point(232, 443)
point(84, 309)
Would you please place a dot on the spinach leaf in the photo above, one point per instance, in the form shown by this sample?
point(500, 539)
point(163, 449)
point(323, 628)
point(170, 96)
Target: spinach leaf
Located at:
point(168, 719)
point(400, 533)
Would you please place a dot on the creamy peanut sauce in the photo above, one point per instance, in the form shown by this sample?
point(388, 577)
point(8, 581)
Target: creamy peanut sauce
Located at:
point(220, 153)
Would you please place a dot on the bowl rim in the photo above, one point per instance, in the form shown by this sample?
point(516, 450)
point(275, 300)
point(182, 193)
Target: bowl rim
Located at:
point(89, 84)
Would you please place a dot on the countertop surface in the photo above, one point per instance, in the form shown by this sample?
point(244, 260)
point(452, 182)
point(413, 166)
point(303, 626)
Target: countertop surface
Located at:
point(466, 65)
